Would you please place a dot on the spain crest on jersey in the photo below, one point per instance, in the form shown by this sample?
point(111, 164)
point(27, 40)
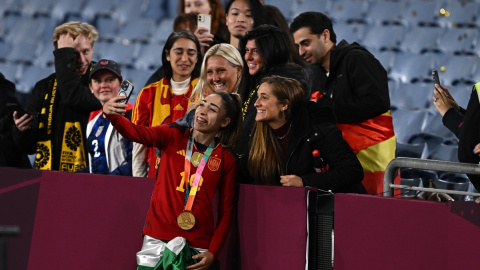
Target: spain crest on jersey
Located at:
point(214, 163)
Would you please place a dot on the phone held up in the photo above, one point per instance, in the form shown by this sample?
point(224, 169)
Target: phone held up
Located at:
point(126, 90)
point(436, 79)
point(16, 107)
point(205, 20)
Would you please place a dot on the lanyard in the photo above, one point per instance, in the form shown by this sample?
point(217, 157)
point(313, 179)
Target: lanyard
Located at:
point(191, 190)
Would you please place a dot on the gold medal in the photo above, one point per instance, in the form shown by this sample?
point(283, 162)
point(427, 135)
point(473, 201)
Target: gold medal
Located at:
point(186, 220)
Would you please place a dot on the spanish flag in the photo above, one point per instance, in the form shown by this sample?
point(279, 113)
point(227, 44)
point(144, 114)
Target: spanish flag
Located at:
point(374, 143)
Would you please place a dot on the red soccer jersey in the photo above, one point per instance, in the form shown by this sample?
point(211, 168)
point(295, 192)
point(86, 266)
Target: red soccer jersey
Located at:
point(168, 195)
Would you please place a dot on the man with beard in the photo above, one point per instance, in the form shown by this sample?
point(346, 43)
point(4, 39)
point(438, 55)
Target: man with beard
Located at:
point(357, 83)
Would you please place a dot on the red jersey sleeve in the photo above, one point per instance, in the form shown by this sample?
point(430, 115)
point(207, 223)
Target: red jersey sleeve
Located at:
point(225, 203)
point(143, 109)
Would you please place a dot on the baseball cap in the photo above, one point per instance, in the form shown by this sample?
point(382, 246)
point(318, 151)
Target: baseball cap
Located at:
point(107, 64)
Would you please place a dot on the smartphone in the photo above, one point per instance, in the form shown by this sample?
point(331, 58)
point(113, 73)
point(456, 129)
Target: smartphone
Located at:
point(16, 107)
point(205, 20)
point(126, 90)
point(436, 80)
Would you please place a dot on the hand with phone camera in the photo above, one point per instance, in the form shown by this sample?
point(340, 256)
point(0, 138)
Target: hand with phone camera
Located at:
point(203, 31)
point(126, 90)
point(23, 121)
point(442, 98)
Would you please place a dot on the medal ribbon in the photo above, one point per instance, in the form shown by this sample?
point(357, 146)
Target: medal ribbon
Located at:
point(191, 190)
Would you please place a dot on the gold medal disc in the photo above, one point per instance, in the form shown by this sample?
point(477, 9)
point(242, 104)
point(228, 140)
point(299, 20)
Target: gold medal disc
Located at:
point(186, 220)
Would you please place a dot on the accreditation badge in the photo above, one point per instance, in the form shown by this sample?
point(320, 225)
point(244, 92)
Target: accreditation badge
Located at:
point(186, 220)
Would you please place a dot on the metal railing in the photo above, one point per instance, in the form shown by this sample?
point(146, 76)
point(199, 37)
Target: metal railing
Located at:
point(426, 164)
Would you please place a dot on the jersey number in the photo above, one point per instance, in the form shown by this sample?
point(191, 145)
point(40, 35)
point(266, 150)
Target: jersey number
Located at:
point(181, 187)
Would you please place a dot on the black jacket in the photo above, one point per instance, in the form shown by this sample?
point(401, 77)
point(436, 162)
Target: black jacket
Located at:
point(470, 136)
point(289, 71)
point(357, 83)
point(73, 103)
point(314, 128)
point(453, 120)
point(9, 154)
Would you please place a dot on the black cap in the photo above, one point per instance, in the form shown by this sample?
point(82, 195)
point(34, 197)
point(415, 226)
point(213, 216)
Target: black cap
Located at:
point(109, 65)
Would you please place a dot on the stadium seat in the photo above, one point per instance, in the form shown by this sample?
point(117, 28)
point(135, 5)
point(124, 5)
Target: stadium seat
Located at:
point(408, 123)
point(392, 87)
point(138, 78)
point(432, 140)
point(149, 57)
point(136, 31)
point(171, 6)
point(12, 6)
point(127, 10)
point(453, 181)
point(455, 69)
point(34, 7)
point(63, 8)
point(162, 31)
point(421, 40)
point(471, 188)
point(422, 13)
point(459, 14)
point(412, 96)
point(435, 127)
point(386, 58)
point(8, 22)
point(5, 48)
point(107, 27)
point(10, 71)
point(386, 13)
point(286, 7)
point(156, 10)
point(445, 152)
point(23, 52)
point(348, 11)
point(26, 29)
point(412, 67)
point(412, 150)
point(461, 94)
point(412, 182)
point(384, 38)
point(351, 32)
point(99, 49)
point(124, 55)
point(31, 75)
point(45, 55)
point(425, 175)
point(94, 8)
point(459, 41)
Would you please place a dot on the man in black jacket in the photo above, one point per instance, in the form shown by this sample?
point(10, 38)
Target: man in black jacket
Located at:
point(357, 83)
point(9, 154)
point(59, 106)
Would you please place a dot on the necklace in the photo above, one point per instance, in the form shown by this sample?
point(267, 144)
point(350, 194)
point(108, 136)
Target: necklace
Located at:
point(286, 133)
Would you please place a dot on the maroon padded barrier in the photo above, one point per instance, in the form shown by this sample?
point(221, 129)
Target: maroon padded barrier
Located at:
point(84, 221)
point(79, 221)
point(374, 232)
point(273, 231)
